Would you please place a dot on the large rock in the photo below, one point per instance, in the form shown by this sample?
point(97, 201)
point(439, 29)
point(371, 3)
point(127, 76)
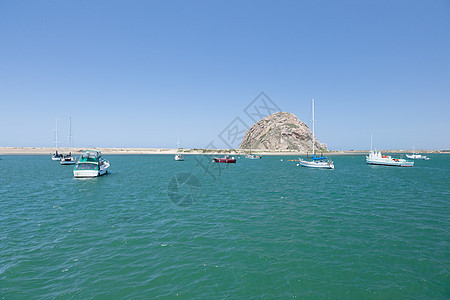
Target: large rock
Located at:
point(280, 131)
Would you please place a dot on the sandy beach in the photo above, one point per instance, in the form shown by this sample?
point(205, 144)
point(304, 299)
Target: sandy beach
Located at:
point(106, 151)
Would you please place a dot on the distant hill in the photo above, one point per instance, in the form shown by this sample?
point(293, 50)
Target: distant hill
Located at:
point(280, 131)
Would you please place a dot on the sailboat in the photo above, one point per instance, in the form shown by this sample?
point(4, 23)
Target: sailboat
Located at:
point(179, 156)
point(250, 155)
point(69, 159)
point(56, 155)
point(316, 162)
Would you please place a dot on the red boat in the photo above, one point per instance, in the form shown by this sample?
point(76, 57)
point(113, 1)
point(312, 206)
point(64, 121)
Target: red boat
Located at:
point(227, 160)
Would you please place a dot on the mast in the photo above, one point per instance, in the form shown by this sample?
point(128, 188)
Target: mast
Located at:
point(371, 141)
point(313, 124)
point(56, 136)
point(70, 132)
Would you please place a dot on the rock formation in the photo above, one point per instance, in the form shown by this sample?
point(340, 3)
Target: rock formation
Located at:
point(280, 131)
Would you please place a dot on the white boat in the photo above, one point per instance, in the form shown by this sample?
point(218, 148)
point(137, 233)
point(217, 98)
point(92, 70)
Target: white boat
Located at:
point(253, 156)
point(417, 156)
point(56, 155)
point(316, 162)
point(91, 164)
point(179, 156)
point(376, 158)
point(68, 159)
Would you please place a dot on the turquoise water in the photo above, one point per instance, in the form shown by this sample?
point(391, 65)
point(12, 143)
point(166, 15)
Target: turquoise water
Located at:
point(257, 229)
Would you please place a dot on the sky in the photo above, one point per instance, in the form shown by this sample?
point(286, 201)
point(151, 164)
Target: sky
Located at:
point(145, 73)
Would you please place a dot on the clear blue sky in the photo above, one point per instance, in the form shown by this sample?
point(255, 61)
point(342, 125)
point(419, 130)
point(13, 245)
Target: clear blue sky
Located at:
point(138, 73)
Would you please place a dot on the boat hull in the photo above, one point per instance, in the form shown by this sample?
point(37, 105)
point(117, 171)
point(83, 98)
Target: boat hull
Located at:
point(391, 164)
point(89, 173)
point(317, 164)
point(225, 160)
point(417, 156)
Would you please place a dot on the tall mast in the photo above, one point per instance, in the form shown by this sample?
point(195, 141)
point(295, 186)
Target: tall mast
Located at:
point(70, 132)
point(56, 135)
point(313, 124)
point(371, 141)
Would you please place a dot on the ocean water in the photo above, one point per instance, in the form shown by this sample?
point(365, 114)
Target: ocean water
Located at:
point(157, 228)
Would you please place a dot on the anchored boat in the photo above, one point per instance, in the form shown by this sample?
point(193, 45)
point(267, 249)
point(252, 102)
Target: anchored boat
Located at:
point(68, 159)
point(376, 158)
point(91, 164)
point(179, 156)
point(417, 156)
point(316, 162)
point(56, 155)
point(227, 159)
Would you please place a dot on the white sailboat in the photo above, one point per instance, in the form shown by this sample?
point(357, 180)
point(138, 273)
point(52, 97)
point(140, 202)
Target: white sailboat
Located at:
point(316, 162)
point(69, 159)
point(56, 155)
point(250, 155)
point(179, 156)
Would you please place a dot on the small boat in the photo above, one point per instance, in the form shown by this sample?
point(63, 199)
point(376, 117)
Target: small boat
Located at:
point(253, 156)
point(250, 155)
point(179, 156)
point(376, 158)
point(227, 160)
point(91, 164)
point(316, 162)
point(57, 156)
point(68, 159)
point(417, 156)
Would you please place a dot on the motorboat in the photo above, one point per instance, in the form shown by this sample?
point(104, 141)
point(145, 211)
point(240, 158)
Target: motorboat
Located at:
point(376, 158)
point(227, 159)
point(417, 156)
point(91, 164)
point(68, 159)
point(253, 156)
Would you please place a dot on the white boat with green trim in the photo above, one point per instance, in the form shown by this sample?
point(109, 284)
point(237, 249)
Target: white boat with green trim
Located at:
point(91, 164)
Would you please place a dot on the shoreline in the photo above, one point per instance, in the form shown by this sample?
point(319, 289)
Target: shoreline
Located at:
point(195, 151)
